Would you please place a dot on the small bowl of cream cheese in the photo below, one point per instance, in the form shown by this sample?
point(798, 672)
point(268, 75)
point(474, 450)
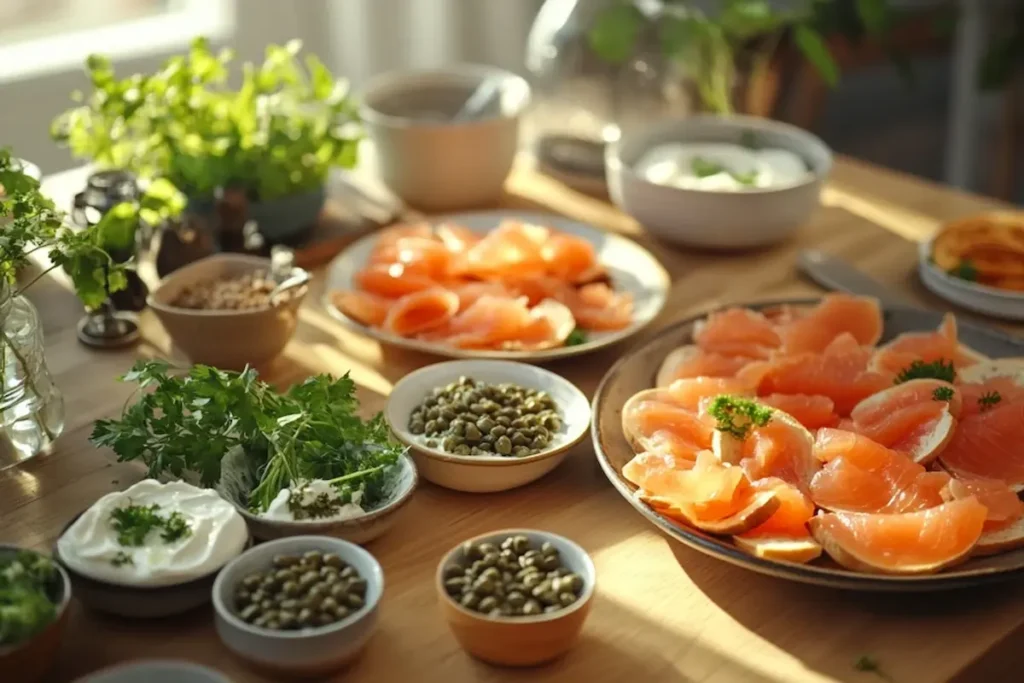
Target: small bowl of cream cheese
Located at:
point(152, 550)
point(718, 182)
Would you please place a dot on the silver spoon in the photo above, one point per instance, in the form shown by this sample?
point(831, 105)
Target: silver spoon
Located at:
point(478, 101)
point(296, 280)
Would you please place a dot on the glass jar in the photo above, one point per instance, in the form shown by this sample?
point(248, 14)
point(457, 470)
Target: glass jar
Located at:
point(581, 93)
point(31, 406)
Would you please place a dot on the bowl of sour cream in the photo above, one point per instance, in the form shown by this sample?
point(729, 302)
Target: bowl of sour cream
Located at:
point(152, 550)
point(718, 182)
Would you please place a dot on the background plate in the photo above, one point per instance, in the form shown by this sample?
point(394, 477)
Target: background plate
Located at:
point(632, 268)
point(999, 303)
point(636, 370)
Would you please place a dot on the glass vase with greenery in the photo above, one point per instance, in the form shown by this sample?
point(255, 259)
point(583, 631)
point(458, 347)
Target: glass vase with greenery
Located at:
point(31, 407)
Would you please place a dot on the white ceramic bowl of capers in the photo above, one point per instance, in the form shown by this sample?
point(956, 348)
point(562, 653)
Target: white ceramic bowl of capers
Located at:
point(486, 425)
point(517, 597)
point(303, 605)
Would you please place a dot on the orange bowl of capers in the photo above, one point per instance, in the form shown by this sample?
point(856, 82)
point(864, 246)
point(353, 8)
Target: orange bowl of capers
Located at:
point(222, 310)
point(516, 597)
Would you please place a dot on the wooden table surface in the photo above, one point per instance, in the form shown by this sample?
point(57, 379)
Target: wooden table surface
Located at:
point(662, 612)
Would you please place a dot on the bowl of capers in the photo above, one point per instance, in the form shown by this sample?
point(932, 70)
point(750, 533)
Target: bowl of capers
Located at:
point(302, 605)
point(516, 597)
point(486, 425)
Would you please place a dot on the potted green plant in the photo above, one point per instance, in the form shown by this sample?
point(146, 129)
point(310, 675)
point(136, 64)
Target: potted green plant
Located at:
point(274, 138)
point(31, 407)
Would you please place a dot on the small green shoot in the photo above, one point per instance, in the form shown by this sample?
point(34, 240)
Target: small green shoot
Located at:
point(965, 271)
point(576, 337)
point(121, 559)
point(943, 394)
point(703, 168)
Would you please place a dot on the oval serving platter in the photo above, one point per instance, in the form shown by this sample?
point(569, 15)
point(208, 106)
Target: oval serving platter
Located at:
point(636, 371)
point(632, 268)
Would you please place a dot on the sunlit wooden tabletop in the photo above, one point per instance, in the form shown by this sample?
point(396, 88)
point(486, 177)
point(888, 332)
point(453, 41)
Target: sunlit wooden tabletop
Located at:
point(662, 612)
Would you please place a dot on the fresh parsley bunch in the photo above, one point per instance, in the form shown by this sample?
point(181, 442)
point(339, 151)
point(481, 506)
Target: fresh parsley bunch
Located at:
point(185, 425)
point(277, 134)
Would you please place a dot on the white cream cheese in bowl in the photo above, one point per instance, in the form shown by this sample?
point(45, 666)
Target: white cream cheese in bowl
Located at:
point(295, 503)
point(721, 166)
point(154, 534)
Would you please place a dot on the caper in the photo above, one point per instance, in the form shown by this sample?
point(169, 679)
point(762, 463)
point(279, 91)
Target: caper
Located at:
point(290, 588)
point(452, 571)
point(250, 613)
point(354, 601)
point(349, 572)
point(521, 451)
point(282, 561)
point(261, 621)
point(258, 596)
point(242, 596)
point(448, 414)
point(314, 558)
point(340, 612)
point(486, 424)
point(546, 548)
point(266, 604)
point(503, 445)
point(470, 600)
point(431, 427)
point(328, 605)
point(358, 587)
point(433, 414)
point(531, 581)
point(449, 444)
point(566, 599)
point(483, 586)
point(518, 439)
point(417, 427)
point(518, 423)
point(461, 449)
point(289, 604)
point(252, 581)
point(532, 607)
point(305, 617)
point(552, 423)
point(575, 583)
point(487, 604)
point(520, 544)
point(539, 442)
point(472, 432)
point(503, 421)
point(339, 591)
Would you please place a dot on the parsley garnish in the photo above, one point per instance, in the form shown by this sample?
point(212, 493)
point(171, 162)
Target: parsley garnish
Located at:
point(943, 394)
point(940, 369)
point(576, 337)
point(736, 415)
point(188, 423)
point(869, 664)
point(965, 270)
point(27, 582)
point(988, 400)
point(134, 522)
point(121, 559)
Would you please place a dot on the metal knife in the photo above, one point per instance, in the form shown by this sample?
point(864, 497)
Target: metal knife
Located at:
point(835, 274)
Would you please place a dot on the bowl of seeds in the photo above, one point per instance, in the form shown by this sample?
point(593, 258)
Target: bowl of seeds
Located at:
point(486, 425)
point(302, 605)
point(516, 597)
point(219, 310)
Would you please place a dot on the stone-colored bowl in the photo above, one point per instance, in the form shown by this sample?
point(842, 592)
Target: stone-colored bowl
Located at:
point(362, 529)
point(520, 641)
point(229, 340)
point(308, 652)
point(156, 671)
point(30, 660)
point(709, 218)
point(479, 473)
point(428, 159)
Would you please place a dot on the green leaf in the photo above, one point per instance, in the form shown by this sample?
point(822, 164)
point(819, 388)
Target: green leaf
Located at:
point(320, 78)
point(615, 31)
point(812, 46)
point(746, 19)
point(116, 228)
point(875, 15)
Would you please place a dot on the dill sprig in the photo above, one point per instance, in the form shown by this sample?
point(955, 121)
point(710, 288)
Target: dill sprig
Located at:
point(940, 369)
point(943, 394)
point(965, 270)
point(736, 416)
point(988, 400)
point(869, 664)
point(121, 559)
point(576, 337)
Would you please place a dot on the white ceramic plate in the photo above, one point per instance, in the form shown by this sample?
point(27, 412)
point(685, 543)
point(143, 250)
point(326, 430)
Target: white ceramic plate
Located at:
point(632, 268)
point(481, 473)
point(998, 303)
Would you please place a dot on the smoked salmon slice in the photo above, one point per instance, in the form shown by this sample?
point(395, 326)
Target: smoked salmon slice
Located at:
point(909, 543)
point(927, 347)
point(840, 372)
point(917, 417)
point(989, 445)
point(391, 281)
point(860, 317)
point(737, 332)
point(784, 536)
point(810, 411)
point(860, 475)
point(363, 307)
point(421, 311)
point(687, 362)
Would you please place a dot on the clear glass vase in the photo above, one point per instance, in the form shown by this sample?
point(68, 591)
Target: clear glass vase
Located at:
point(31, 406)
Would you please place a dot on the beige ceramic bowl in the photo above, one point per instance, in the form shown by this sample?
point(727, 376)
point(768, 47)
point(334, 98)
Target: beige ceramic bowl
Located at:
point(431, 161)
point(30, 660)
point(229, 340)
point(520, 641)
point(710, 218)
point(477, 473)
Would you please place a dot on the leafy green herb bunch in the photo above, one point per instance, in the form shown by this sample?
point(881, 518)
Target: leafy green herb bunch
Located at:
point(277, 134)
